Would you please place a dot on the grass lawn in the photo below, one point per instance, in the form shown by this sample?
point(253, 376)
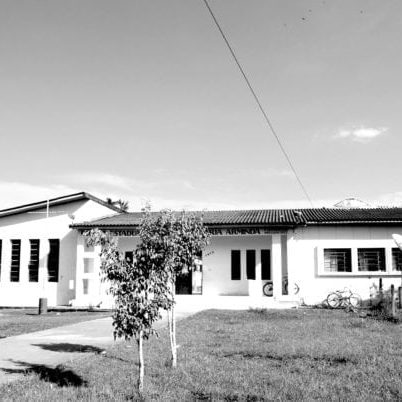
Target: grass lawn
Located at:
point(239, 356)
point(21, 321)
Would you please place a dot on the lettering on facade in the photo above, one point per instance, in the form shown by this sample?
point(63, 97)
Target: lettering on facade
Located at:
point(120, 232)
point(244, 231)
point(239, 231)
point(124, 232)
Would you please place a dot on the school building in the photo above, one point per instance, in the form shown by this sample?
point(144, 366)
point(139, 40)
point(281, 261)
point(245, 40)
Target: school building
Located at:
point(302, 254)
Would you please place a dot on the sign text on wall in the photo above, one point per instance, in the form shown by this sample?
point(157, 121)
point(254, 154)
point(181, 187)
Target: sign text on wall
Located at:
point(243, 231)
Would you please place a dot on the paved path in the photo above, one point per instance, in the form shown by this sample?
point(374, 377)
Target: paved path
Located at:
point(58, 345)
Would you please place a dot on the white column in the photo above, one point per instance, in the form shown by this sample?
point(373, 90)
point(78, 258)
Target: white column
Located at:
point(79, 269)
point(97, 272)
point(276, 257)
point(355, 260)
point(24, 260)
point(43, 255)
point(255, 285)
point(5, 261)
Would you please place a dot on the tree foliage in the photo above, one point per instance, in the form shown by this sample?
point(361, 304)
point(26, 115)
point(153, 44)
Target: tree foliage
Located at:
point(139, 290)
point(175, 241)
point(123, 205)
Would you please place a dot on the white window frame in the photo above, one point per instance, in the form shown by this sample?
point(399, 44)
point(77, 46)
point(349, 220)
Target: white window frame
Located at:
point(388, 246)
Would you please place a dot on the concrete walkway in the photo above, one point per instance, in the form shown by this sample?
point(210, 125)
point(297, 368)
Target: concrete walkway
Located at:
point(58, 345)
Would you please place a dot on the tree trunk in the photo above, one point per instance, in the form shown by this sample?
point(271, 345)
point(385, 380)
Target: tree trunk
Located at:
point(174, 345)
point(169, 314)
point(172, 328)
point(141, 363)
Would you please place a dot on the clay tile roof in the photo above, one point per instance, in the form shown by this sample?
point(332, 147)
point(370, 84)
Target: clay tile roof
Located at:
point(271, 217)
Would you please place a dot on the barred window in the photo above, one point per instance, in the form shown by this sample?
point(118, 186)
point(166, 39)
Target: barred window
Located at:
point(15, 260)
point(337, 260)
point(53, 260)
point(33, 266)
point(371, 259)
point(396, 259)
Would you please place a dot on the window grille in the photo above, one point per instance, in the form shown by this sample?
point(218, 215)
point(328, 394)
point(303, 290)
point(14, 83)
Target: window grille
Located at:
point(396, 259)
point(337, 260)
point(33, 266)
point(15, 260)
point(371, 259)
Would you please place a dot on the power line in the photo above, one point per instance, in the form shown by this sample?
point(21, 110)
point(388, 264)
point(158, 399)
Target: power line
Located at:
point(258, 103)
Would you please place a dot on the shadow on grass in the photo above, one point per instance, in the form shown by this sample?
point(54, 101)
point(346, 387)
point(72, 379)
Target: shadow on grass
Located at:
point(69, 347)
point(59, 375)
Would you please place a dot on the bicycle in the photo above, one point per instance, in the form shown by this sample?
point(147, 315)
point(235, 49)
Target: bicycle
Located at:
point(344, 298)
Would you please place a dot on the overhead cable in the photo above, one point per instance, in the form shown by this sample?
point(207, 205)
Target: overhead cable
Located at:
point(259, 103)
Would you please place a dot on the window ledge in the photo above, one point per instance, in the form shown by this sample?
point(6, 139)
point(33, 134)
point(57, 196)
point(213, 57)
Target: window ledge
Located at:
point(375, 274)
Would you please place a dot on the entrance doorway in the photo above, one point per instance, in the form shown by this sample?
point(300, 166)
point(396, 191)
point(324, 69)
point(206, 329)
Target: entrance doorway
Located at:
point(190, 283)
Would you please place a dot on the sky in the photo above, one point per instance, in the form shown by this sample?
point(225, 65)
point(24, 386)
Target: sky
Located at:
point(141, 100)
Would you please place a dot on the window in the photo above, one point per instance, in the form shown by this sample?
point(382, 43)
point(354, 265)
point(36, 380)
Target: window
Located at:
point(396, 259)
point(33, 266)
point(53, 260)
point(85, 286)
point(236, 269)
point(88, 265)
point(266, 265)
point(15, 260)
point(371, 259)
point(250, 264)
point(337, 260)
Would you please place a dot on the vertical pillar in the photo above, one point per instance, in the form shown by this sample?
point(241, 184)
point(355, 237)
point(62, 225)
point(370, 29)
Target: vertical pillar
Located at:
point(97, 272)
point(276, 257)
point(5, 260)
point(24, 260)
point(43, 254)
point(79, 269)
point(255, 285)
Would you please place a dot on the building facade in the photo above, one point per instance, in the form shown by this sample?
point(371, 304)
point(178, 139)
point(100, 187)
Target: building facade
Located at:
point(38, 248)
point(302, 254)
point(260, 258)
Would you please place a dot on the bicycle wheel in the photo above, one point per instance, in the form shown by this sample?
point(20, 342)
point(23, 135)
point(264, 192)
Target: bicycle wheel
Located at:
point(268, 289)
point(354, 300)
point(334, 300)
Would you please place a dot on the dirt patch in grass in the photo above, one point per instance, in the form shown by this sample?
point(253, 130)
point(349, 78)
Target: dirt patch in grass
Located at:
point(21, 321)
point(287, 359)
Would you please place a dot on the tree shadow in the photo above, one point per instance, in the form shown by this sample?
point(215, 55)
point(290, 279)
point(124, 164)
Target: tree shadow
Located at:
point(69, 347)
point(59, 375)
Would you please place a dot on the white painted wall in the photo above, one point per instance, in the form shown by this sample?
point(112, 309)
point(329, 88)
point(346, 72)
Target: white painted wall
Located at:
point(217, 265)
point(304, 263)
point(305, 260)
point(35, 225)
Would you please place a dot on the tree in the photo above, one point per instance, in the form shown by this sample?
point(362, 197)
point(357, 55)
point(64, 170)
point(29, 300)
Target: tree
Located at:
point(123, 205)
point(140, 291)
point(178, 239)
